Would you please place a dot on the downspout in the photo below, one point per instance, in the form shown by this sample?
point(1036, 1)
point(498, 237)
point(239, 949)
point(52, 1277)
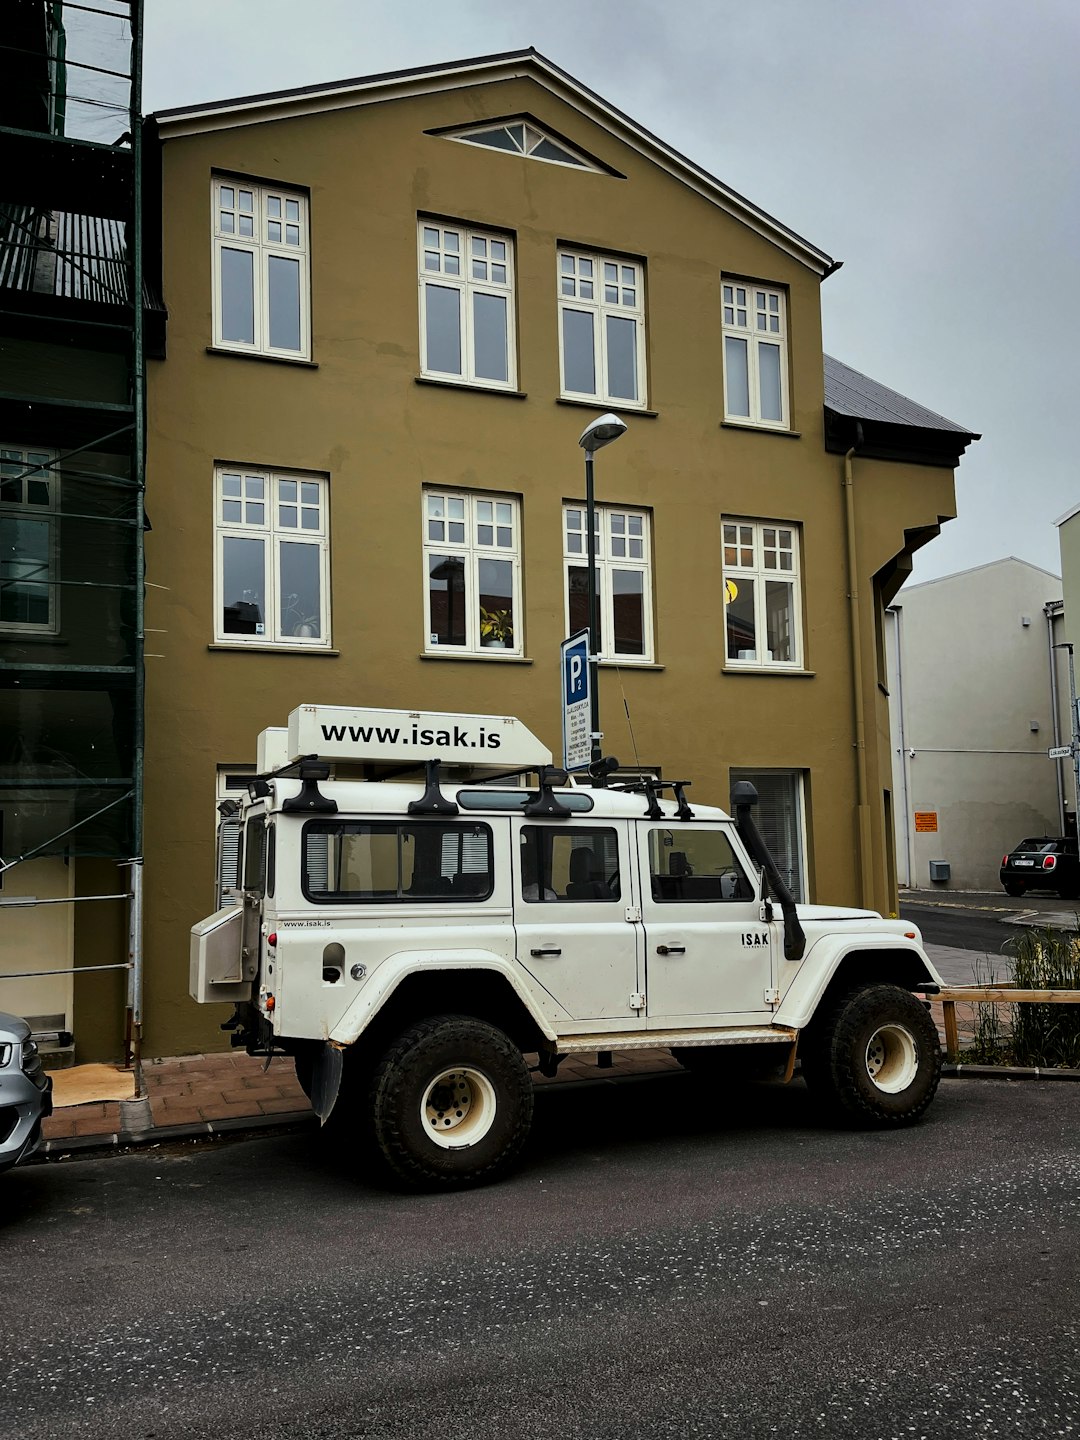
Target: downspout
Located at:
point(1051, 612)
point(862, 806)
point(897, 612)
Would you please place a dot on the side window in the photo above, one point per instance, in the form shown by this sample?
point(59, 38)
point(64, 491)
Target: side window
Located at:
point(350, 861)
point(255, 855)
point(582, 864)
point(692, 865)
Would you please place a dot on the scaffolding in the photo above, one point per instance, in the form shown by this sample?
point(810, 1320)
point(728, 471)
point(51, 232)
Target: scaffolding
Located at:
point(72, 314)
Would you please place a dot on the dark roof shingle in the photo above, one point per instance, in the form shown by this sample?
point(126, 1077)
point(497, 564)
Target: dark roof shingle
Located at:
point(849, 392)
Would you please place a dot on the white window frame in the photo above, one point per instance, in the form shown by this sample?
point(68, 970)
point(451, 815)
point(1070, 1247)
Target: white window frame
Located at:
point(583, 284)
point(533, 137)
point(435, 268)
point(760, 570)
point(43, 459)
point(273, 534)
point(607, 542)
point(759, 318)
point(473, 552)
point(262, 249)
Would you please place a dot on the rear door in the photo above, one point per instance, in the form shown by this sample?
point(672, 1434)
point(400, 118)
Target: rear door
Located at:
point(709, 955)
point(578, 934)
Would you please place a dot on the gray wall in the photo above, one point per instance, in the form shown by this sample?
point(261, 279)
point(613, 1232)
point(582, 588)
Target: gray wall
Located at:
point(968, 679)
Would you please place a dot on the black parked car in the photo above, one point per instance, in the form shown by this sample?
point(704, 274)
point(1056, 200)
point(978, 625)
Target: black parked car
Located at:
point(1047, 862)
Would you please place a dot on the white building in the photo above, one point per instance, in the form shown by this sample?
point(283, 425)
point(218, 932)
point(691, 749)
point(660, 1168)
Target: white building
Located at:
point(977, 696)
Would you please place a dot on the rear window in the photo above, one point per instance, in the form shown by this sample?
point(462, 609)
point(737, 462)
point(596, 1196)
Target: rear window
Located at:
point(1042, 846)
point(360, 863)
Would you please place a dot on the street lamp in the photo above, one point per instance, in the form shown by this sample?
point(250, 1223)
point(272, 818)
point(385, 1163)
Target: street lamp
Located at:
point(594, 437)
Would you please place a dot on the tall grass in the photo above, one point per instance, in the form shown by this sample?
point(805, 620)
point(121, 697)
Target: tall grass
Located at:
point(1046, 1034)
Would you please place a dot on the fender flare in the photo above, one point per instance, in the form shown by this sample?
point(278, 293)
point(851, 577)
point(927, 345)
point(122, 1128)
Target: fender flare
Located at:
point(395, 968)
point(800, 1001)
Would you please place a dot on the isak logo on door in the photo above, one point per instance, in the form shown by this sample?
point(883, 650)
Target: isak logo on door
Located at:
point(752, 939)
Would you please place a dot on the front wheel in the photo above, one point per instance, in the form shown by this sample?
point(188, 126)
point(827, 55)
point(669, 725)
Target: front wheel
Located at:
point(452, 1103)
point(874, 1057)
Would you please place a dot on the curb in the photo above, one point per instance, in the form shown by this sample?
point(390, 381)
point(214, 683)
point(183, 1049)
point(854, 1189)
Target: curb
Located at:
point(238, 1126)
point(1005, 1072)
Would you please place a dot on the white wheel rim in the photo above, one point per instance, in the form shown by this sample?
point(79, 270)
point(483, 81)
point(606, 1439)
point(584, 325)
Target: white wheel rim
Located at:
point(892, 1058)
point(458, 1108)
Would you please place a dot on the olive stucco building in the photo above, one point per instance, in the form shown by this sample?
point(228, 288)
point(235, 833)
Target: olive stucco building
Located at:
point(393, 305)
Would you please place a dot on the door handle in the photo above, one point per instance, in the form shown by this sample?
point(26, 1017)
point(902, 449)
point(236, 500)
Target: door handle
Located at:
point(671, 949)
point(545, 950)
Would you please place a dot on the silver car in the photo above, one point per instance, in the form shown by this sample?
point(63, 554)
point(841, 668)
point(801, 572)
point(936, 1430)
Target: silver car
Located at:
point(25, 1092)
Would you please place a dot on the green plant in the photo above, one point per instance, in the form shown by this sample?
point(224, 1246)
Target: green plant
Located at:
point(496, 625)
point(1046, 1034)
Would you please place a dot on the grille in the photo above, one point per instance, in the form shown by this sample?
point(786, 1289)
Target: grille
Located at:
point(9, 1117)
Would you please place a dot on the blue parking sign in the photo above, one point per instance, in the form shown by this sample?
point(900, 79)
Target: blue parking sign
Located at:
point(577, 732)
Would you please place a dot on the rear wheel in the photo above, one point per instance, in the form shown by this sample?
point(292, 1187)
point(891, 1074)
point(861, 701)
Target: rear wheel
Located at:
point(1012, 888)
point(451, 1103)
point(874, 1057)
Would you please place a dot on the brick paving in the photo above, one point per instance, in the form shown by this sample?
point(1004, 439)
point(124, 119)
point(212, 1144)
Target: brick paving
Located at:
point(191, 1090)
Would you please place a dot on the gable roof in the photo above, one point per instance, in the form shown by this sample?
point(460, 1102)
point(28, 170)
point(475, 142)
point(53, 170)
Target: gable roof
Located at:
point(882, 424)
point(488, 69)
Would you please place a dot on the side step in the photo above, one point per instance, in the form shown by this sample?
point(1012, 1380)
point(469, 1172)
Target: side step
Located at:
point(665, 1039)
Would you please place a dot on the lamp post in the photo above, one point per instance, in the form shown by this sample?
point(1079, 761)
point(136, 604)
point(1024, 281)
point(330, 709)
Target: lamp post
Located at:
point(594, 437)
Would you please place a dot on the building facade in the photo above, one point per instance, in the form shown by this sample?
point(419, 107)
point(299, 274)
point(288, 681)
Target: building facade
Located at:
point(977, 696)
point(394, 304)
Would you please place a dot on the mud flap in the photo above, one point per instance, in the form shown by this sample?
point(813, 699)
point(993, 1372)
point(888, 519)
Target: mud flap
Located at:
point(326, 1072)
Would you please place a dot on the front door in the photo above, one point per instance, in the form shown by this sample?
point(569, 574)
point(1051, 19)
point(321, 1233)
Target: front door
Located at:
point(573, 892)
point(708, 952)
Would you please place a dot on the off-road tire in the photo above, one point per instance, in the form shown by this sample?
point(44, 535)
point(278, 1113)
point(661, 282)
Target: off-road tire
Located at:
point(420, 1069)
point(873, 1057)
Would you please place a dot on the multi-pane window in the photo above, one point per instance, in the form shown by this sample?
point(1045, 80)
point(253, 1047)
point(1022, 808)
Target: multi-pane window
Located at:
point(601, 328)
point(466, 305)
point(28, 500)
point(521, 137)
point(473, 572)
point(762, 601)
point(623, 582)
point(755, 354)
point(261, 284)
point(273, 562)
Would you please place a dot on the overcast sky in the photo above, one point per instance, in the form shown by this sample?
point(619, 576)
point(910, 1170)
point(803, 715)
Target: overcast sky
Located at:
point(929, 144)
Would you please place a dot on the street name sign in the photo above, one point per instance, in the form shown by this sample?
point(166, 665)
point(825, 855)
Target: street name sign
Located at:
point(577, 730)
point(1060, 752)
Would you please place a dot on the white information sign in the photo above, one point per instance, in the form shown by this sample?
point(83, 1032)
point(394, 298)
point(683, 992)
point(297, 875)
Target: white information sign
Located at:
point(1060, 752)
point(410, 736)
point(577, 729)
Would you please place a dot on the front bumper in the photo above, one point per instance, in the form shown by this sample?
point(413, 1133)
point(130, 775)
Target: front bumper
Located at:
point(23, 1106)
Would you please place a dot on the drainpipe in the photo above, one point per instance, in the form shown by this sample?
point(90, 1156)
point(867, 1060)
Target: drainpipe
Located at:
point(863, 808)
point(1050, 611)
point(897, 612)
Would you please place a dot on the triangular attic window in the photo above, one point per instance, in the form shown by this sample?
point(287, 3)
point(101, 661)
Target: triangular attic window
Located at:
point(520, 138)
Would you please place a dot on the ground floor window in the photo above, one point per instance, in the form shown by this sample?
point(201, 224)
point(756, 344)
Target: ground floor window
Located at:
point(779, 817)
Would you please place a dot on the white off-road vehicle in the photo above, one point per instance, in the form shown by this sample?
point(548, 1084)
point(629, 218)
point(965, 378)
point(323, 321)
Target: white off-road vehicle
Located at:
point(411, 935)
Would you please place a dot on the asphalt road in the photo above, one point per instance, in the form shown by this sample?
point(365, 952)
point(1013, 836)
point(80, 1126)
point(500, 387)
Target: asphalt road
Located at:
point(668, 1263)
point(975, 927)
